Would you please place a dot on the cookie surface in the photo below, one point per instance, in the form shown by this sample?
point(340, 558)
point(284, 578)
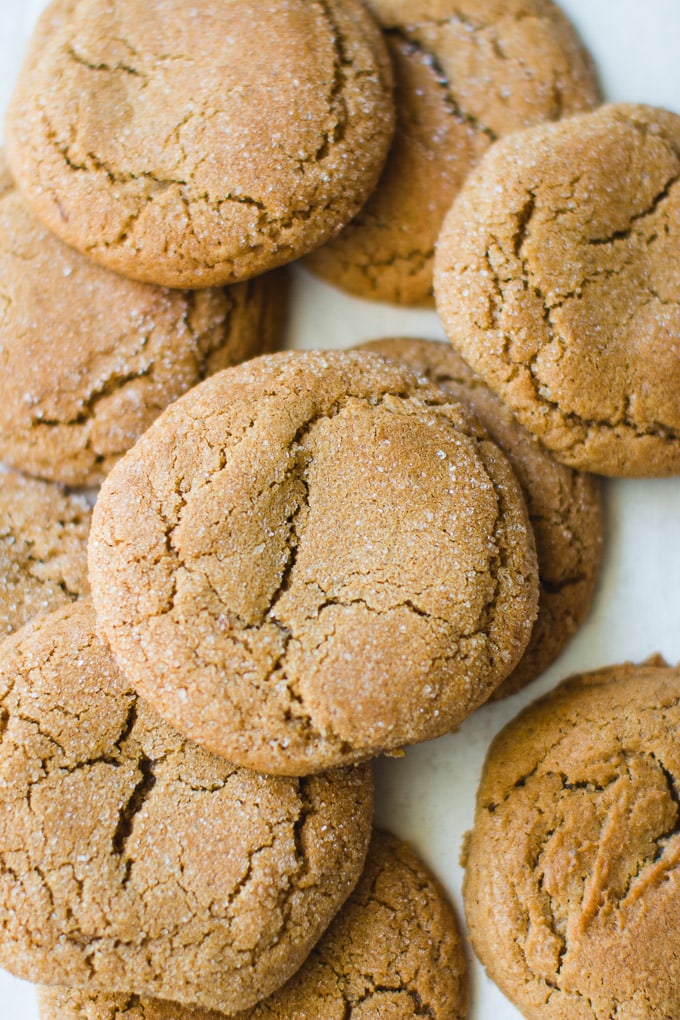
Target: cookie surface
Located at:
point(88, 358)
point(201, 143)
point(557, 280)
point(393, 952)
point(465, 74)
point(43, 549)
point(564, 505)
point(134, 860)
point(313, 558)
point(573, 865)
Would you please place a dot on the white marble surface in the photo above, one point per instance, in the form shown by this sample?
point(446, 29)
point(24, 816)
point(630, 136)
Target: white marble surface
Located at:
point(427, 797)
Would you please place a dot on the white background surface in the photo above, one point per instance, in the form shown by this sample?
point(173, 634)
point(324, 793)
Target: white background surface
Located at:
point(428, 796)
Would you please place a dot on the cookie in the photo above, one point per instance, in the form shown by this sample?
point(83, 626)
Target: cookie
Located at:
point(564, 506)
point(557, 279)
point(313, 558)
point(133, 860)
point(573, 875)
point(465, 74)
point(43, 549)
point(88, 358)
point(200, 143)
point(394, 952)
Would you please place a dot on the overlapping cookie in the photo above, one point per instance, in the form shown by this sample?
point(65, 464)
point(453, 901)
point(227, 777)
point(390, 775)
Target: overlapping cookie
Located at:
point(393, 952)
point(88, 358)
point(564, 505)
point(43, 549)
point(134, 860)
point(573, 865)
point(313, 558)
point(466, 73)
point(557, 279)
point(198, 143)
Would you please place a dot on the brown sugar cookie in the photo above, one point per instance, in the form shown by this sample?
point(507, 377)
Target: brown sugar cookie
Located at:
point(134, 860)
point(200, 142)
point(43, 549)
point(88, 358)
point(465, 74)
point(558, 280)
point(573, 866)
point(394, 952)
point(313, 558)
point(564, 505)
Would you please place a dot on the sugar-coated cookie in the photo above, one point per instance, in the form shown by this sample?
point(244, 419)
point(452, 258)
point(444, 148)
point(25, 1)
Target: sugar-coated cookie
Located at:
point(466, 73)
point(43, 549)
point(393, 953)
point(557, 279)
point(312, 558)
point(133, 860)
point(573, 866)
point(199, 142)
point(88, 358)
point(564, 505)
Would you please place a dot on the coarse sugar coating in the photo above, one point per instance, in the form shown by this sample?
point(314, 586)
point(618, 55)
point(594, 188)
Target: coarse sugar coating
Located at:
point(393, 952)
point(133, 860)
point(466, 73)
point(564, 506)
point(572, 876)
point(43, 549)
point(557, 279)
point(200, 142)
point(313, 558)
point(89, 358)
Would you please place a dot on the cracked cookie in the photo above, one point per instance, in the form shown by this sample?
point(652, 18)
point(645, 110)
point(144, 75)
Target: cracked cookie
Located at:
point(43, 549)
point(393, 953)
point(572, 875)
point(557, 279)
point(313, 558)
point(133, 860)
point(202, 143)
point(564, 505)
point(89, 358)
point(466, 73)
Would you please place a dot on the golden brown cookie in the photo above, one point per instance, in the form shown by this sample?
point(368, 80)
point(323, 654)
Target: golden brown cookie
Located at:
point(564, 505)
point(573, 866)
point(200, 142)
point(393, 953)
point(313, 558)
point(43, 549)
point(88, 358)
point(466, 73)
point(132, 859)
point(558, 280)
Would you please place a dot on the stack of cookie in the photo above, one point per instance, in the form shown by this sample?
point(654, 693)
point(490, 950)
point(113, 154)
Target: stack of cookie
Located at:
point(304, 560)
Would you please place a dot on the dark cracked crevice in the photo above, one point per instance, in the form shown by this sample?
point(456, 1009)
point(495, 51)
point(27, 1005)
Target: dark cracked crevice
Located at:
point(414, 46)
point(134, 805)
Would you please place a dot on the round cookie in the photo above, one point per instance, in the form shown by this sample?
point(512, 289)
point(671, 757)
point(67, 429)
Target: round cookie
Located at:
point(564, 506)
point(43, 549)
point(134, 860)
point(313, 558)
point(557, 279)
point(465, 74)
point(200, 143)
point(573, 866)
point(392, 953)
point(88, 358)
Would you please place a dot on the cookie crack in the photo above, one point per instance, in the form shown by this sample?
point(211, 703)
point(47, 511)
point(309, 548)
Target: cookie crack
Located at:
point(79, 58)
point(624, 234)
point(413, 45)
point(134, 804)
